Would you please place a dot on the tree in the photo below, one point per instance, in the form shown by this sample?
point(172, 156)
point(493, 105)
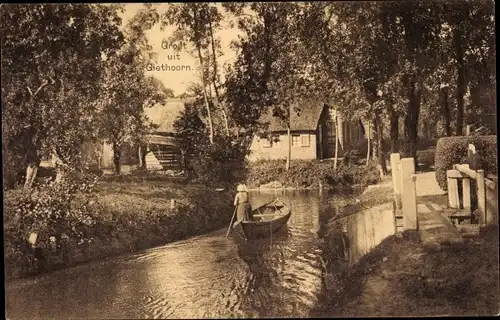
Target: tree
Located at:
point(352, 33)
point(126, 91)
point(51, 62)
point(214, 18)
point(191, 132)
point(270, 74)
point(192, 20)
point(469, 38)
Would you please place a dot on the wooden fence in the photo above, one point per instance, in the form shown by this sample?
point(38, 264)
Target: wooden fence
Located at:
point(485, 191)
point(405, 195)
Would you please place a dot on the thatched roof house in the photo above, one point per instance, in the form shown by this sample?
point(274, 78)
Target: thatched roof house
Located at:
point(312, 133)
point(304, 117)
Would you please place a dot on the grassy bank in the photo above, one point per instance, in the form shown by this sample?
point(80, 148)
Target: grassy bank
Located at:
point(401, 278)
point(124, 217)
point(310, 174)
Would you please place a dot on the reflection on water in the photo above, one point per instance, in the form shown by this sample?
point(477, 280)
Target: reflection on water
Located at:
point(203, 277)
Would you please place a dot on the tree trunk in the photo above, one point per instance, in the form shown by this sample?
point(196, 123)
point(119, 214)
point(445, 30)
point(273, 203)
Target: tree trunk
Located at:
point(31, 172)
point(99, 161)
point(32, 167)
point(207, 105)
point(98, 151)
point(116, 157)
point(289, 156)
point(411, 121)
point(445, 108)
point(214, 78)
point(379, 133)
point(59, 167)
point(139, 156)
point(368, 140)
point(224, 115)
point(205, 97)
point(394, 122)
point(336, 142)
point(374, 150)
point(143, 151)
point(461, 81)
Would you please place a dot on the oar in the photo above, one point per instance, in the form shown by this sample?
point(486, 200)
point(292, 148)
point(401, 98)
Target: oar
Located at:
point(230, 224)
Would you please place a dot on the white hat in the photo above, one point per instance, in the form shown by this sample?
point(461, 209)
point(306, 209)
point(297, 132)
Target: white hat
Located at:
point(241, 188)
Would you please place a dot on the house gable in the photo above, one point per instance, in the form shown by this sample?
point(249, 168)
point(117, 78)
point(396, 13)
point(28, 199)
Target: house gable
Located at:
point(303, 129)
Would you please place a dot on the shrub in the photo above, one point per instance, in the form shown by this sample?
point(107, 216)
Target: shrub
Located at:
point(361, 146)
point(62, 211)
point(222, 162)
point(308, 174)
point(425, 158)
point(453, 150)
point(14, 164)
point(73, 226)
point(264, 171)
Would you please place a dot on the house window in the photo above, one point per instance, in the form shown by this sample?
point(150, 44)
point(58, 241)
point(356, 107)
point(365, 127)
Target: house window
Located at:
point(305, 140)
point(266, 143)
point(295, 140)
point(277, 142)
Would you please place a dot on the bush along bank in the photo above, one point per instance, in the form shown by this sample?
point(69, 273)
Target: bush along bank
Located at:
point(74, 226)
point(311, 174)
point(453, 150)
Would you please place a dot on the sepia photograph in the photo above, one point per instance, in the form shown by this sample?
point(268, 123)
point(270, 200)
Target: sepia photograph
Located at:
point(223, 160)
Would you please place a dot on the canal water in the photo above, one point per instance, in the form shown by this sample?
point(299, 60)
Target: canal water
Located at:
point(204, 277)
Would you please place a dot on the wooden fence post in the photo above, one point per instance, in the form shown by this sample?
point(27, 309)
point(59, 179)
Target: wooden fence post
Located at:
point(466, 191)
point(481, 197)
point(396, 181)
point(408, 194)
point(452, 184)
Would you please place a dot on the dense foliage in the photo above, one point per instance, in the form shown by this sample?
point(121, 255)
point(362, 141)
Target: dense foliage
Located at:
point(453, 150)
point(72, 75)
point(51, 64)
point(310, 173)
point(57, 212)
point(222, 162)
point(400, 61)
point(75, 225)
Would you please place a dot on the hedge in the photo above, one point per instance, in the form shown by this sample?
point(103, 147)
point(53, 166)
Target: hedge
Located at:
point(308, 174)
point(453, 150)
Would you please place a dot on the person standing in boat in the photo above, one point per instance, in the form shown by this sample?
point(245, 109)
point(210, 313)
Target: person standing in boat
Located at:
point(242, 204)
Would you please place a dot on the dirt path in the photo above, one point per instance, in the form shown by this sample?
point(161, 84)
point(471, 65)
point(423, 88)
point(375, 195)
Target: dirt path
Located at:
point(427, 185)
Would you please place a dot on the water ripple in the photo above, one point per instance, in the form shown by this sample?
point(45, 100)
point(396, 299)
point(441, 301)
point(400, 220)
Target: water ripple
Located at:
point(203, 277)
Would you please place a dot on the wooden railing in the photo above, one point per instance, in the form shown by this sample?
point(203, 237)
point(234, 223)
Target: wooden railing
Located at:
point(484, 188)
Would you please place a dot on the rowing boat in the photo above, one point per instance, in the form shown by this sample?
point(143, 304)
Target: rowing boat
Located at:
point(267, 219)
